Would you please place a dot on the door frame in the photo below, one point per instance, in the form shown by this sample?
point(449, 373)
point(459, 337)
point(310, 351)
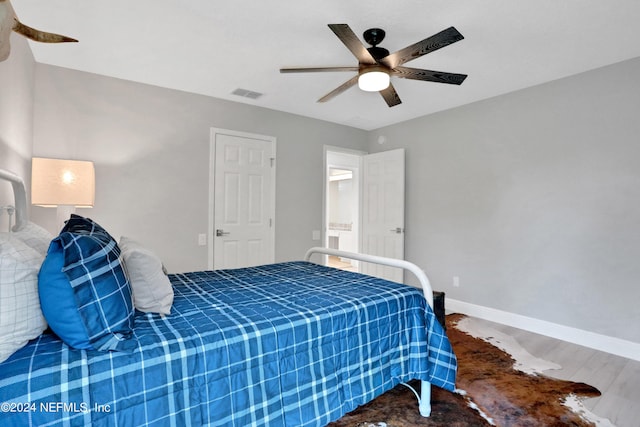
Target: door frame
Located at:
point(324, 237)
point(212, 161)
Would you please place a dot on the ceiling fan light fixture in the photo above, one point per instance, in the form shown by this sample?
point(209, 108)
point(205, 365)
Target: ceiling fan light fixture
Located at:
point(374, 80)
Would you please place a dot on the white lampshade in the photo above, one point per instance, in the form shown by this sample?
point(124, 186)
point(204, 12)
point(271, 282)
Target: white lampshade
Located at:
point(57, 182)
point(373, 80)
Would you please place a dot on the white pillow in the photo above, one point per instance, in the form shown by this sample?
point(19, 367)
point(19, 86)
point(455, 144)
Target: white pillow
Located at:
point(35, 237)
point(21, 318)
point(151, 288)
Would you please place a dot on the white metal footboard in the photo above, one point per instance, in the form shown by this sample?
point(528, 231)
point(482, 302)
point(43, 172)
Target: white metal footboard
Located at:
point(424, 398)
point(20, 196)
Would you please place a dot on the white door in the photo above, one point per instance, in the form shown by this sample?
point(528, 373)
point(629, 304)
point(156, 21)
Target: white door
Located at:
point(383, 211)
point(242, 227)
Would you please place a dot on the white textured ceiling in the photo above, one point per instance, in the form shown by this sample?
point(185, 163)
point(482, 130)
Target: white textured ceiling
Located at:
point(213, 47)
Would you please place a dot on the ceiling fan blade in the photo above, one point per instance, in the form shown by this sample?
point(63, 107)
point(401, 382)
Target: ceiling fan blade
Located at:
point(337, 91)
point(317, 69)
point(429, 75)
point(390, 96)
point(416, 50)
point(353, 43)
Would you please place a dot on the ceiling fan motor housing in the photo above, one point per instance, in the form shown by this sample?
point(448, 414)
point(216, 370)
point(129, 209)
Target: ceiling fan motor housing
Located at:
point(378, 52)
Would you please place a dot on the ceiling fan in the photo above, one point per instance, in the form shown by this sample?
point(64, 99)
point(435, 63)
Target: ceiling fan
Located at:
point(376, 66)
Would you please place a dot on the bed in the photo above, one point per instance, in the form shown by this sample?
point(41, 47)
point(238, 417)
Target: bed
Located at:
point(285, 344)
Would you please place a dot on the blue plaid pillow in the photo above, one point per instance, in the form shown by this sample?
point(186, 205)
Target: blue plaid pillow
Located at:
point(84, 291)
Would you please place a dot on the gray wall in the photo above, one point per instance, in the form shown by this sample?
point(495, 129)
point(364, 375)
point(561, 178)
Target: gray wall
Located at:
point(150, 146)
point(533, 200)
point(16, 116)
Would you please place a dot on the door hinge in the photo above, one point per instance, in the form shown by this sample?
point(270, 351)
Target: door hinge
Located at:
point(270, 222)
point(273, 161)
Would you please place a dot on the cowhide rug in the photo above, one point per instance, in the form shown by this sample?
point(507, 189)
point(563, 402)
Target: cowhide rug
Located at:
point(491, 391)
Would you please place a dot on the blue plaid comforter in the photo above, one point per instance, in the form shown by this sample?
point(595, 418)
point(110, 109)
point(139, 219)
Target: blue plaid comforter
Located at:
point(289, 344)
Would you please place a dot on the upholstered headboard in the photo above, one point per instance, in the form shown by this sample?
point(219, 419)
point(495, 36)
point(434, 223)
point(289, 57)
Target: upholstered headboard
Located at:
point(20, 196)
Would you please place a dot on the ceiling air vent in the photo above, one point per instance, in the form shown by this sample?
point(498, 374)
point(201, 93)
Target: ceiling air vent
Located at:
point(247, 93)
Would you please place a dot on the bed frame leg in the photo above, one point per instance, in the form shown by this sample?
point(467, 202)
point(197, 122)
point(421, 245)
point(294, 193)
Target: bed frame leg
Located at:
point(425, 399)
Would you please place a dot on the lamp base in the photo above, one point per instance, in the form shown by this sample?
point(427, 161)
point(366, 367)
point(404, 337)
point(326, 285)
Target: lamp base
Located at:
point(63, 213)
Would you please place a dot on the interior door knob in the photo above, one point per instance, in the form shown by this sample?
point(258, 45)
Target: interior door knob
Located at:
point(220, 232)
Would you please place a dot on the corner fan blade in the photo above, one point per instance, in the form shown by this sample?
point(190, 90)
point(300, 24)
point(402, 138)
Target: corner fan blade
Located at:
point(353, 43)
point(429, 75)
point(317, 69)
point(337, 91)
point(390, 96)
point(416, 50)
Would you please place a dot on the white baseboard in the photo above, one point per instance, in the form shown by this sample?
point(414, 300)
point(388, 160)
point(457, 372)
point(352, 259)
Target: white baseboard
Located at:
point(617, 346)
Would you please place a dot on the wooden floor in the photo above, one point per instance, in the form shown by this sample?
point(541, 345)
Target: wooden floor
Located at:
point(336, 262)
point(617, 378)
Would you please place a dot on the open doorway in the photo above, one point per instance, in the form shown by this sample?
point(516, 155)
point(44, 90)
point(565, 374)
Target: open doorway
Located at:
point(342, 205)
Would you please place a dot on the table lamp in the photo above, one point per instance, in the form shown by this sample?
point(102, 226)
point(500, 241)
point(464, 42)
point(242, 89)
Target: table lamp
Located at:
point(63, 184)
